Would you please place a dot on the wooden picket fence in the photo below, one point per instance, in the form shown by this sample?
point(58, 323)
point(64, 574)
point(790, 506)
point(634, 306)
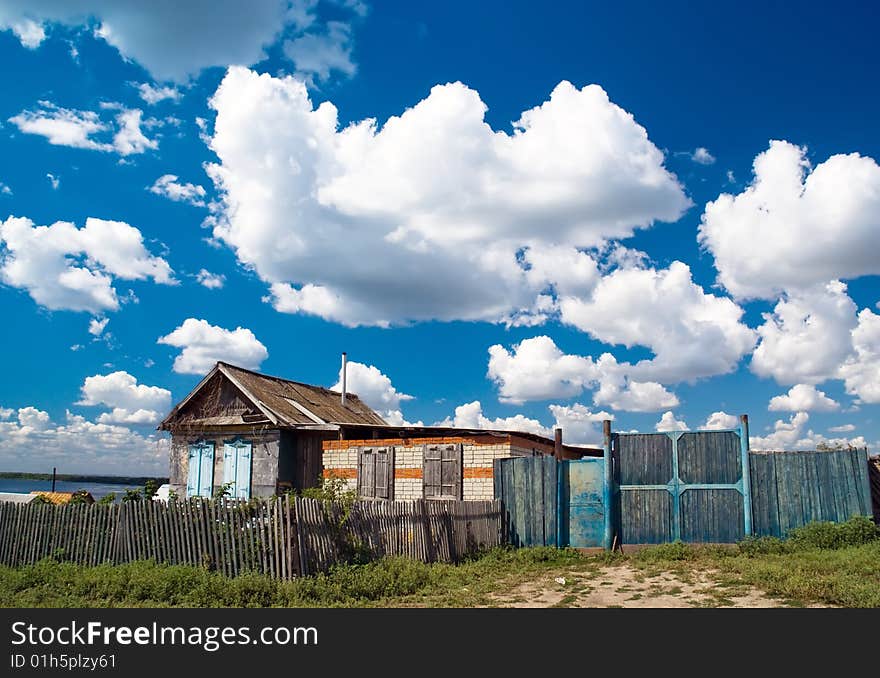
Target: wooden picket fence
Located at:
point(283, 537)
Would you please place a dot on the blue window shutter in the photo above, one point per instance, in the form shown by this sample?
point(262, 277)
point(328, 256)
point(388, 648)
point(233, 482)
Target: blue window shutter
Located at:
point(194, 464)
point(206, 475)
point(237, 456)
point(230, 457)
point(243, 472)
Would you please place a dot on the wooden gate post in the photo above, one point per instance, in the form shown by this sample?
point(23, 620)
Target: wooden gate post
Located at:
point(606, 486)
point(746, 474)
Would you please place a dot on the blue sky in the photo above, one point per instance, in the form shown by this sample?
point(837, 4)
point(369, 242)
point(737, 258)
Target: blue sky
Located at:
point(662, 214)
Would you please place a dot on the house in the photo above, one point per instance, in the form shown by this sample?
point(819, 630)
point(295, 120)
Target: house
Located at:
point(261, 435)
point(257, 433)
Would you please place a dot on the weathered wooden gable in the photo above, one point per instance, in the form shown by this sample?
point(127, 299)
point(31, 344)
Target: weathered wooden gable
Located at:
point(218, 402)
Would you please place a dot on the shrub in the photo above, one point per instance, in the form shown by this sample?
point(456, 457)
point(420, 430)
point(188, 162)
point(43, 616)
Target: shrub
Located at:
point(757, 546)
point(856, 531)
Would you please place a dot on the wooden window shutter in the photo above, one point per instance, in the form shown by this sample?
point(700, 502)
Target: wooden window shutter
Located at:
point(442, 471)
point(366, 472)
point(376, 472)
point(384, 473)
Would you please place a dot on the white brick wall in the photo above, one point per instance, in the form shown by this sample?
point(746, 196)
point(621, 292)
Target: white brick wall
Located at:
point(478, 488)
point(408, 488)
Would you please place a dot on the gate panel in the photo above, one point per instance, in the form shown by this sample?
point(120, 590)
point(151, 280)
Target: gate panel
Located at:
point(711, 516)
point(645, 516)
point(645, 459)
point(709, 457)
point(583, 513)
point(682, 485)
point(527, 488)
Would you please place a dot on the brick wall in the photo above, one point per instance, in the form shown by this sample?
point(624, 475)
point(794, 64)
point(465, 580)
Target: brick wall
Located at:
point(478, 454)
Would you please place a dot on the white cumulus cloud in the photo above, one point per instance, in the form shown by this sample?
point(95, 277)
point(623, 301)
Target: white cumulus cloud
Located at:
point(77, 129)
point(444, 202)
point(64, 267)
point(376, 390)
point(720, 420)
point(316, 55)
point(702, 156)
point(30, 33)
point(794, 435)
point(153, 94)
point(579, 424)
point(34, 443)
point(97, 325)
point(861, 371)
point(843, 428)
point(668, 422)
point(130, 402)
point(168, 186)
point(213, 281)
point(173, 41)
point(796, 226)
point(803, 398)
point(691, 333)
point(203, 344)
point(807, 336)
point(470, 415)
point(536, 369)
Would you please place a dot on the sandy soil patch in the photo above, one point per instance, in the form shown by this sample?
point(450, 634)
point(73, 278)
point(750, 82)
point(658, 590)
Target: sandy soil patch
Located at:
point(625, 586)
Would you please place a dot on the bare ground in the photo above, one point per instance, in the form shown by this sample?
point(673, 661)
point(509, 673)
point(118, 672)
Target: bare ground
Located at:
point(626, 586)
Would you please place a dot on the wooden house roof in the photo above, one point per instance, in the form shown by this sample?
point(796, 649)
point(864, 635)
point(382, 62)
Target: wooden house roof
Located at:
point(281, 402)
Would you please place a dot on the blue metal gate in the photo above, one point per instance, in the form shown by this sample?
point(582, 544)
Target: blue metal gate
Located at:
point(691, 486)
point(582, 511)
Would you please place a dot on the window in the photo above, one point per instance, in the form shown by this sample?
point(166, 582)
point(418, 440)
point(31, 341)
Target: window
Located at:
point(376, 472)
point(200, 471)
point(442, 471)
point(237, 455)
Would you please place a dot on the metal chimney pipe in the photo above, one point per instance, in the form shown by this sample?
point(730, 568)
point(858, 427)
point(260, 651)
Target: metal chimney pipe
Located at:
point(344, 371)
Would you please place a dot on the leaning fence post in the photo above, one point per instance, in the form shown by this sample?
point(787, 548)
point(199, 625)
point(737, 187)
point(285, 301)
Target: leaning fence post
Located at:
point(606, 485)
point(746, 473)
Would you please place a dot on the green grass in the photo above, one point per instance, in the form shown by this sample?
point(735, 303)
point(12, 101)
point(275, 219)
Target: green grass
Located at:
point(391, 581)
point(822, 563)
point(825, 563)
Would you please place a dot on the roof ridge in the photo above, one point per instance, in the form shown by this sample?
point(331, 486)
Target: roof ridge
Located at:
point(288, 381)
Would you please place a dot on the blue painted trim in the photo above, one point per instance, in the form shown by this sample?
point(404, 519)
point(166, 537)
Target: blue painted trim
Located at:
point(696, 430)
point(676, 486)
point(608, 481)
point(684, 487)
point(746, 480)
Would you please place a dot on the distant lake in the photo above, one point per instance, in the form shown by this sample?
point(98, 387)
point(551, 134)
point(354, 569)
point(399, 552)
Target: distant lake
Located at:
point(97, 490)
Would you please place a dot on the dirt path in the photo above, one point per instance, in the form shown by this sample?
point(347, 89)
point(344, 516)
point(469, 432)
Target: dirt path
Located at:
point(625, 586)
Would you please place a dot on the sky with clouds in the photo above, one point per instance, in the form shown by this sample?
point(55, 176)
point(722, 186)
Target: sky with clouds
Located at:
point(509, 216)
